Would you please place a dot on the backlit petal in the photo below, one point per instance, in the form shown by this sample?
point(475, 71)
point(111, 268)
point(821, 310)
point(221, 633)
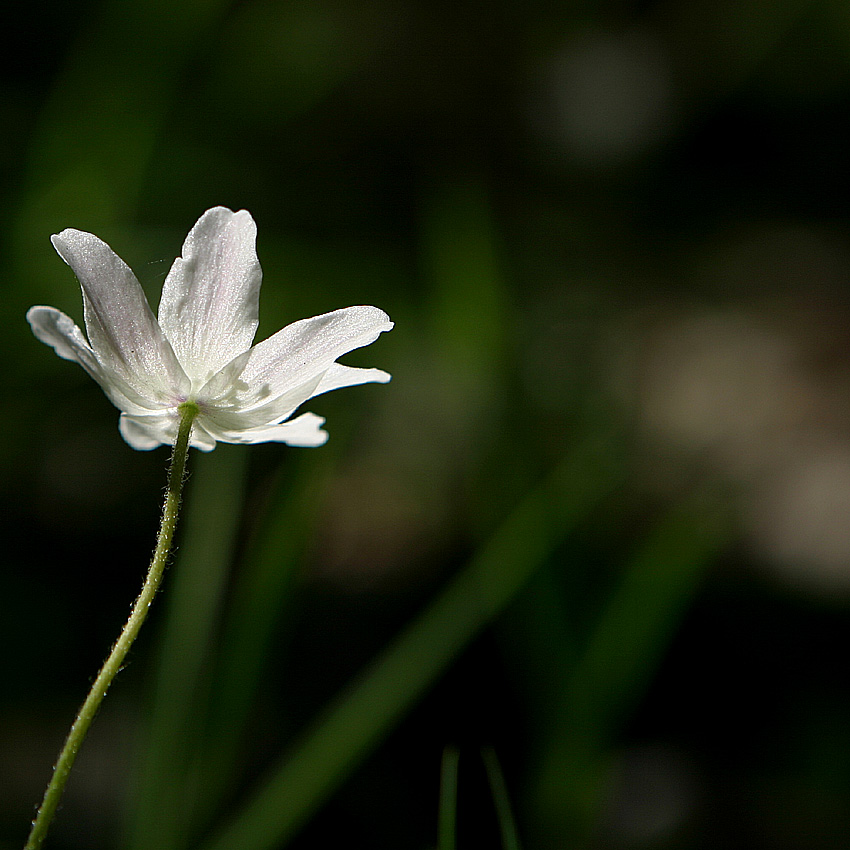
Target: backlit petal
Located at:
point(304, 430)
point(302, 351)
point(121, 328)
point(143, 436)
point(147, 432)
point(339, 376)
point(235, 417)
point(57, 330)
point(210, 299)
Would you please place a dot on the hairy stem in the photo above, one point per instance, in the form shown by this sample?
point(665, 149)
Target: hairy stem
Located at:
point(86, 714)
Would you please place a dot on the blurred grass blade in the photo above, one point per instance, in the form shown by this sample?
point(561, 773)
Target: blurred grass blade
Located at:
point(447, 823)
point(259, 596)
point(658, 584)
point(501, 800)
point(624, 649)
point(363, 715)
point(214, 507)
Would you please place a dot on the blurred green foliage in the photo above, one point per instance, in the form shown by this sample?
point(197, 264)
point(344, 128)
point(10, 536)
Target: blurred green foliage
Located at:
point(594, 529)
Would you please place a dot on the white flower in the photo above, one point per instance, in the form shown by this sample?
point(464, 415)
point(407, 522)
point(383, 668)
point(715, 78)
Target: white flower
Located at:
point(200, 349)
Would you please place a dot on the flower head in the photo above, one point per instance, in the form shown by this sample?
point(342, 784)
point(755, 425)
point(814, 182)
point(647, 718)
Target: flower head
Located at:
point(199, 349)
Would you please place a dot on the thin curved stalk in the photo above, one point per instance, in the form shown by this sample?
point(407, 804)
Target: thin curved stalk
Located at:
point(86, 714)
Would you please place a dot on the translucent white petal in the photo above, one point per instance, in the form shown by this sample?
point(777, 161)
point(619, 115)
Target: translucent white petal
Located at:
point(210, 299)
point(54, 328)
point(201, 438)
point(233, 417)
point(283, 406)
point(301, 352)
point(339, 376)
point(57, 330)
point(141, 435)
point(304, 430)
point(121, 329)
point(148, 432)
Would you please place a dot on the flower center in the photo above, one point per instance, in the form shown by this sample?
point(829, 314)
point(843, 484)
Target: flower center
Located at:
point(187, 406)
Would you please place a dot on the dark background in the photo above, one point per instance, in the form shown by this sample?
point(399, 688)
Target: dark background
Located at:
point(615, 233)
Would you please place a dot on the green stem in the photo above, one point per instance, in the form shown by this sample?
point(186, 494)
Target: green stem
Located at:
point(170, 510)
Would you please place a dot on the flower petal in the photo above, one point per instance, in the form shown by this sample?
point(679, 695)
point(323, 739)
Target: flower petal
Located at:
point(54, 328)
point(142, 437)
point(57, 330)
point(303, 351)
point(304, 430)
point(232, 417)
point(122, 330)
point(339, 376)
point(147, 432)
point(210, 299)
